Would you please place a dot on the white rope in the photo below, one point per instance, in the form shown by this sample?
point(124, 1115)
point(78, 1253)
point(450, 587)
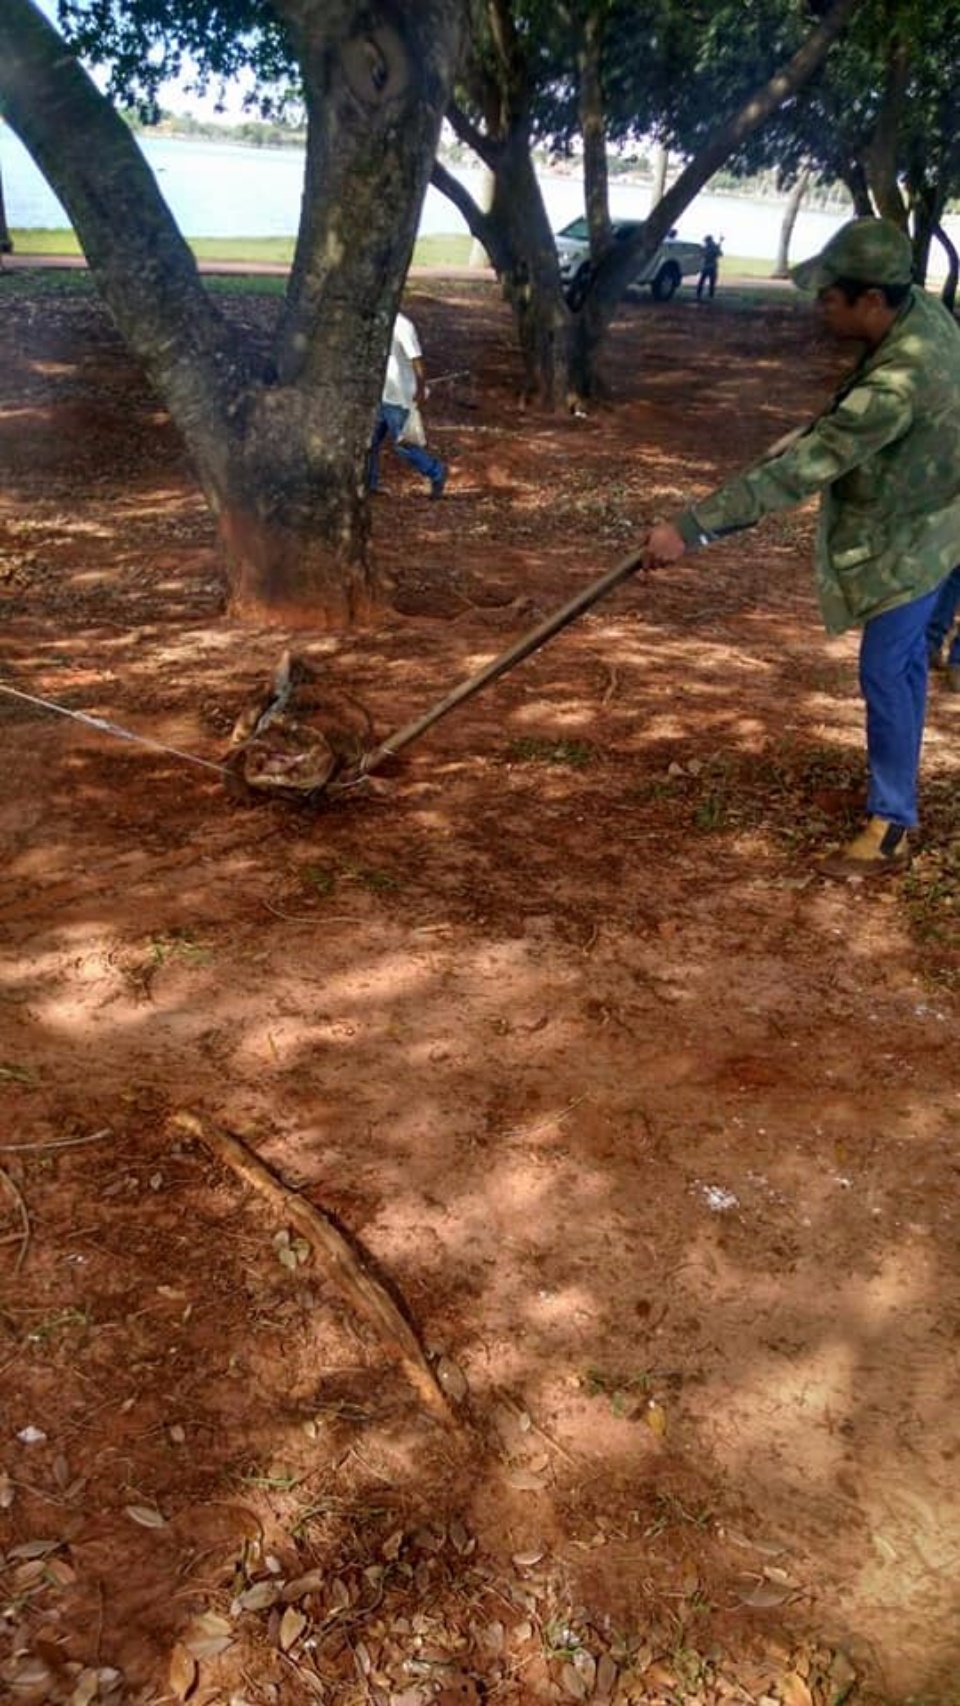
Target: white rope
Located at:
point(114, 729)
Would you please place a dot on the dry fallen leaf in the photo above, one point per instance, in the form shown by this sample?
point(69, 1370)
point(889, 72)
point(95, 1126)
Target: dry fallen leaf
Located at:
point(769, 1548)
point(146, 1515)
point(573, 1683)
point(459, 1538)
point(292, 1625)
point(258, 1597)
point(312, 1582)
point(764, 1595)
point(34, 1549)
point(452, 1379)
point(525, 1480)
point(339, 1595)
point(655, 1417)
point(208, 1635)
point(794, 1691)
point(607, 1674)
point(86, 1689)
point(182, 1672)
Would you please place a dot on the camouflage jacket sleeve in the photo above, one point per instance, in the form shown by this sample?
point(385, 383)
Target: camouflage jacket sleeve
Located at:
point(862, 420)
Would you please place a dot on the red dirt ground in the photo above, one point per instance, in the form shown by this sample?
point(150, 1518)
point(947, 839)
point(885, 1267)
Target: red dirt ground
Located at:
point(652, 1132)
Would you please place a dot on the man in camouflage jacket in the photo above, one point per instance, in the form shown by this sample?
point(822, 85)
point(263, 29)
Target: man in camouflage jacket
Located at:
point(885, 457)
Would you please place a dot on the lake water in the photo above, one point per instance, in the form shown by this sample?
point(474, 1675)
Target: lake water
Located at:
point(219, 189)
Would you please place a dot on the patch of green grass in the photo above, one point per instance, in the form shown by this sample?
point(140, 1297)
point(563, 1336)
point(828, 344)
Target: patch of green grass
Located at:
point(44, 242)
point(438, 251)
point(179, 944)
point(670, 1512)
point(322, 880)
point(712, 813)
point(369, 877)
point(46, 281)
point(622, 1390)
point(276, 1480)
point(442, 251)
point(542, 749)
point(245, 284)
point(57, 1325)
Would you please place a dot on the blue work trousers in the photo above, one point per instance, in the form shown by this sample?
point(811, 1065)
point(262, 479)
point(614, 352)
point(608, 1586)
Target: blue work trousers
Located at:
point(893, 681)
point(943, 618)
point(390, 423)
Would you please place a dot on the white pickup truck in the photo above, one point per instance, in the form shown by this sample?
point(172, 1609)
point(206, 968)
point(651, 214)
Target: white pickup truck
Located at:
point(664, 272)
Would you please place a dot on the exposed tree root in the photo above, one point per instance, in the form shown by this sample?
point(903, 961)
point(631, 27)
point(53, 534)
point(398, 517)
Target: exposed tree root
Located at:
point(367, 1295)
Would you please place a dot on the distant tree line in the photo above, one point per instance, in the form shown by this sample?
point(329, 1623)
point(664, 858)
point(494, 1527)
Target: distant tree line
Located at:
point(252, 132)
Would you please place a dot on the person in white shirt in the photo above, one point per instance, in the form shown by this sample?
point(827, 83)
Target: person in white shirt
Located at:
point(404, 389)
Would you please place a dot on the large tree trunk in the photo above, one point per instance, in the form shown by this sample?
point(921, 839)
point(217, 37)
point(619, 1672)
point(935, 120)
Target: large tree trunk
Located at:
point(478, 256)
point(6, 241)
point(855, 177)
point(882, 155)
point(279, 449)
point(661, 163)
point(781, 266)
point(533, 283)
point(593, 129)
point(515, 232)
point(949, 295)
point(517, 236)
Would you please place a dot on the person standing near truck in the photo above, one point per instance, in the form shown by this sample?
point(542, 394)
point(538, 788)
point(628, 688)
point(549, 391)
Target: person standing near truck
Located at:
point(885, 458)
point(712, 256)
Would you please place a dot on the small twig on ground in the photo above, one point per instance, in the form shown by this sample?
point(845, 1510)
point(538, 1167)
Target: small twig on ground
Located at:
point(24, 1234)
point(55, 1143)
point(311, 917)
point(548, 1439)
point(368, 1296)
point(541, 1126)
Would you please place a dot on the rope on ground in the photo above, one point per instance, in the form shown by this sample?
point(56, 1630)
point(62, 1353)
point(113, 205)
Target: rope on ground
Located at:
point(103, 727)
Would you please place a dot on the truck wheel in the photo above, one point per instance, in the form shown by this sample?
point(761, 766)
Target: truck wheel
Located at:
point(667, 282)
point(576, 291)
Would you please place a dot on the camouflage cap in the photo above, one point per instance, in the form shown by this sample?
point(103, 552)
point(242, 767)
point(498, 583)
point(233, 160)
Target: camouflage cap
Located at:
point(872, 251)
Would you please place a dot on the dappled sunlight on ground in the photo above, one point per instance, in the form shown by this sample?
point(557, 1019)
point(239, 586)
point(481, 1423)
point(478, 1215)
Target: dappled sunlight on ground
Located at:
point(652, 1134)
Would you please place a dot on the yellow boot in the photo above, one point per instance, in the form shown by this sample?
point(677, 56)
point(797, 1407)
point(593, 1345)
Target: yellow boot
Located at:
point(880, 850)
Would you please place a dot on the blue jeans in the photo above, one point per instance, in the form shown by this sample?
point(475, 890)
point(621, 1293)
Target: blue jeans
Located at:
point(893, 681)
point(390, 423)
point(943, 618)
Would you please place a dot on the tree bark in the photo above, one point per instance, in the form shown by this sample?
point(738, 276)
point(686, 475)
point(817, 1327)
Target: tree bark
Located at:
point(6, 241)
point(279, 448)
point(781, 266)
point(881, 156)
point(516, 231)
point(593, 130)
point(478, 256)
point(949, 293)
point(661, 162)
point(855, 177)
